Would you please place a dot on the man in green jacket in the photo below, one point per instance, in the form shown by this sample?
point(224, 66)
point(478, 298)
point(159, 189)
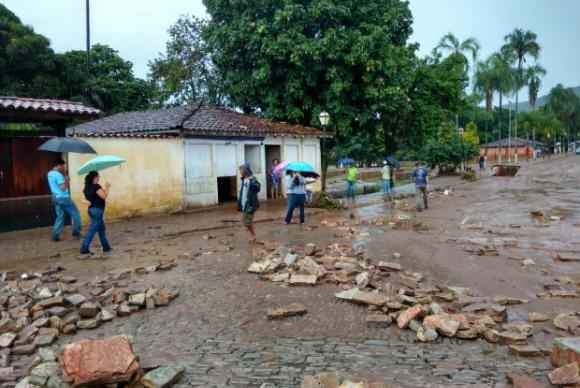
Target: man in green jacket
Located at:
point(351, 178)
point(248, 202)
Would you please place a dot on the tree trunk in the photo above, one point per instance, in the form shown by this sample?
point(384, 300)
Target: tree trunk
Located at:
point(518, 85)
point(500, 113)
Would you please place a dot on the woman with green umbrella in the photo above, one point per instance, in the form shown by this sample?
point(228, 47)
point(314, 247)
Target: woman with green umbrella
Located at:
point(96, 195)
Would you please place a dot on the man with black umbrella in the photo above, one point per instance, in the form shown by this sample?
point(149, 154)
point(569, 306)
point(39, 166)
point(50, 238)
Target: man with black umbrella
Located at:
point(58, 182)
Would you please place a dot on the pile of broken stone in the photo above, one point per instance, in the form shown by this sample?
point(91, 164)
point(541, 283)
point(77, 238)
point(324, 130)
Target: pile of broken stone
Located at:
point(37, 308)
point(392, 294)
point(101, 363)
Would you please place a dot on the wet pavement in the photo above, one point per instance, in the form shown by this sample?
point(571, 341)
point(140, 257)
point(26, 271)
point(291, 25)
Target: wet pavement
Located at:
point(218, 329)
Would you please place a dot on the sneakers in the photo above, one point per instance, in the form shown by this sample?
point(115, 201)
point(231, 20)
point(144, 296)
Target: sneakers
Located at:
point(86, 255)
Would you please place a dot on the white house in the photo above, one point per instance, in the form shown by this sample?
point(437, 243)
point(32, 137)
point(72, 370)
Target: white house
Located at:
point(188, 156)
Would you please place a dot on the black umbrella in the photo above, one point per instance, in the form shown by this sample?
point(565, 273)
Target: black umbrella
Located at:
point(392, 161)
point(67, 144)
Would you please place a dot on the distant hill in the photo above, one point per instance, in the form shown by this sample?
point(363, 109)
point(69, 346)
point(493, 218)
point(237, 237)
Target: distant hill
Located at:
point(525, 106)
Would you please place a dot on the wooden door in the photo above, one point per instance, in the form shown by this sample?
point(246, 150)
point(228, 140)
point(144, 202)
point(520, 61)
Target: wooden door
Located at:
point(5, 168)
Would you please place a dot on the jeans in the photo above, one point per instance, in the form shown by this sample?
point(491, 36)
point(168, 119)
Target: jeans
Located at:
point(421, 197)
point(350, 189)
point(387, 186)
point(97, 226)
point(294, 201)
point(64, 206)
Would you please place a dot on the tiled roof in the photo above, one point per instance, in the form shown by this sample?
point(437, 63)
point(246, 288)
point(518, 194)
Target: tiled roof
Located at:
point(220, 120)
point(190, 120)
point(141, 123)
point(514, 142)
point(25, 104)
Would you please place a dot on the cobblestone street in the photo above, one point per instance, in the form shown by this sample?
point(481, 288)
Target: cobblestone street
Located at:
point(218, 329)
point(281, 361)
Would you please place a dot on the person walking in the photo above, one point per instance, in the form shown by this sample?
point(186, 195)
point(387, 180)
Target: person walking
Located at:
point(276, 179)
point(97, 196)
point(421, 178)
point(296, 192)
point(351, 178)
point(59, 185)
point(248, 202)
point(387, 173)
point(481, 164)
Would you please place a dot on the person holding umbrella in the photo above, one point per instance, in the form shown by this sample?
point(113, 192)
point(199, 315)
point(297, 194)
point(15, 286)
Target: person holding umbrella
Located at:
point(296, 192)
point(96, 195)
point(58, 182)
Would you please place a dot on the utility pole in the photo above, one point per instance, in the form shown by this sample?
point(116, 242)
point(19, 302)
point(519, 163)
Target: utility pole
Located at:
point(510, 132)
point(88, 27)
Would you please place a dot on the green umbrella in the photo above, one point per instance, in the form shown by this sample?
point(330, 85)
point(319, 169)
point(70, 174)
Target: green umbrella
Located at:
point(100, 163)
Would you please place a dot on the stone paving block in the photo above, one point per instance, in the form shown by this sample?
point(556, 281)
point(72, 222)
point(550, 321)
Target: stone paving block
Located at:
point(565, 351)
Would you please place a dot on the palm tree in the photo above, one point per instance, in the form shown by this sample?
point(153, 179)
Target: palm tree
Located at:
point(534, 76)
point(485, 82)
point(452, 44)
point(503, 75)
point(520, 44)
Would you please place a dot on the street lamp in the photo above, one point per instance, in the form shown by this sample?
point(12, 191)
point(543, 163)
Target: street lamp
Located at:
point(324, 118)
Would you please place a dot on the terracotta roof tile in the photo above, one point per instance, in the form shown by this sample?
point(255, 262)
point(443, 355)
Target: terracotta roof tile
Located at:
point(192, 120)
point(46, 105)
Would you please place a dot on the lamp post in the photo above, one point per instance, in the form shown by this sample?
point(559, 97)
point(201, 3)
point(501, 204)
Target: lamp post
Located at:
point(324, 118)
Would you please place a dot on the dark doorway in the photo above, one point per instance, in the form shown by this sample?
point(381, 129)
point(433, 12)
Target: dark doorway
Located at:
point(5, 168)
point(24, 195)
point(272, 152)
point(227, 189)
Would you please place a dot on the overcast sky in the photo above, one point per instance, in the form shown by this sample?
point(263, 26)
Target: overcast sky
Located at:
point(138, 28)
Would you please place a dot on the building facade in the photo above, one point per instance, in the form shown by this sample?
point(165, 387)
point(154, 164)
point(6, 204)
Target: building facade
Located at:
point(25, 200)
point(187, 157)
point(507, 149)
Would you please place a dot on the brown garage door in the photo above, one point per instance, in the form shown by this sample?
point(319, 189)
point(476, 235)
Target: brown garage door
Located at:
point(24, 194)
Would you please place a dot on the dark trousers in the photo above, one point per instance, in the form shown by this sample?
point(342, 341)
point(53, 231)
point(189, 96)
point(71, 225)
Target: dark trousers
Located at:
point(421, 198)
point(97, 226)
point(295, 201)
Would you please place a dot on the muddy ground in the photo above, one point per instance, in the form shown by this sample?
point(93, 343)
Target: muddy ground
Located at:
point(217, 327)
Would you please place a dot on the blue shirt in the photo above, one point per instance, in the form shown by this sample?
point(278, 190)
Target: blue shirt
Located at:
point(55, 179)
point(292, 188)
point(420, 174)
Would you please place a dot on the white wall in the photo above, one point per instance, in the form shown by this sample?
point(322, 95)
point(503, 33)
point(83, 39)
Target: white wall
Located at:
point(206, 160)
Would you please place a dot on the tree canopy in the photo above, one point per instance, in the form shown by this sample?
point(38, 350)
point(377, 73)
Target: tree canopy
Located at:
point(185, 72)
point(291, 60)
point(30, 68)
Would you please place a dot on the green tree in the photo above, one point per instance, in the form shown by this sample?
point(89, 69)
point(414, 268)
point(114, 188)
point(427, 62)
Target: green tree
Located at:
point(27, 63)
point(565, 105)
point(448, 151)
point(471, 135)
point(486, 82)
point(534, 76)
point(291, 60)
point(453, 45)
point(185, 73)
point(435, 94)
point(519, 45)
point(112, 85)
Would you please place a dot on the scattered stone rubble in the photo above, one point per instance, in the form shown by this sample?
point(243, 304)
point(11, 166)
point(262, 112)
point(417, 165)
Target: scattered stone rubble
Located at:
point(393, 294)
point(107, 363)
point(332, 380)
point(37, 308)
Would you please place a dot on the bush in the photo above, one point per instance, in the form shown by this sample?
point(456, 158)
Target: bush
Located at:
point(447, 153)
